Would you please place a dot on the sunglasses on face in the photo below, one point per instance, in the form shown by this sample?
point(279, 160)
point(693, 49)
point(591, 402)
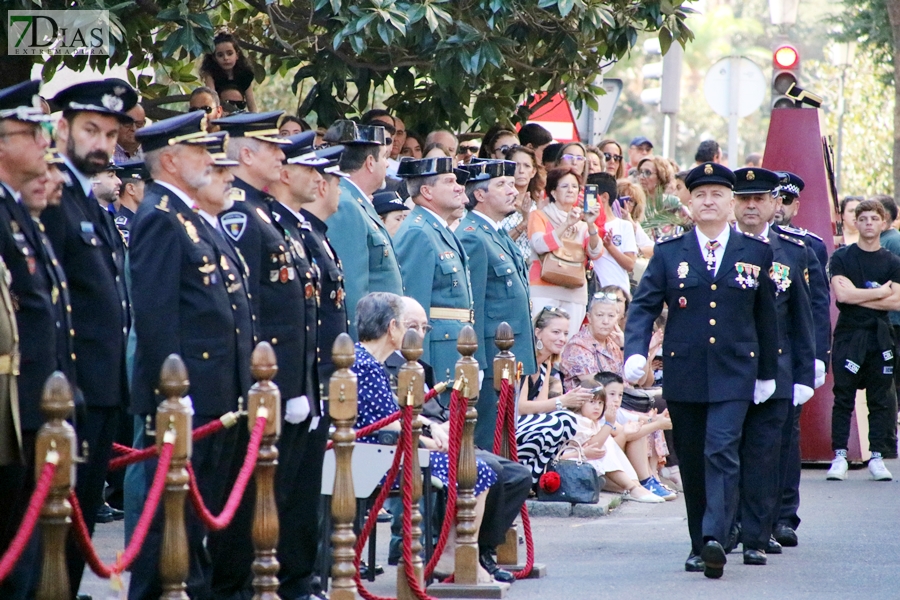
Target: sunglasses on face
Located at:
point(612, 157)
point(206, 109)
point(502, 149)
point(573, 158)
point(238, 104)
point(467, 150)
point(787, 199)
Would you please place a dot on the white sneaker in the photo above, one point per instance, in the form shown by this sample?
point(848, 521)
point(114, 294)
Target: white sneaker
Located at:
point(838, 470)
point(878, 470)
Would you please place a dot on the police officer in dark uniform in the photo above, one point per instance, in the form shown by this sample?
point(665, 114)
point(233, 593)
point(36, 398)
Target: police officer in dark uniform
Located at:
point(755, 203)
point(721, 351)
point(191, 300)
point(92, 254)
point(820, 296)
point(499, 279)
point(284, 285)
point(39, 298)
point(133, 176)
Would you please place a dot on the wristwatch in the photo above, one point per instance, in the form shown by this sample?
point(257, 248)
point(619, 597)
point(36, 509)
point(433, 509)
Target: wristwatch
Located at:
point(559, 404)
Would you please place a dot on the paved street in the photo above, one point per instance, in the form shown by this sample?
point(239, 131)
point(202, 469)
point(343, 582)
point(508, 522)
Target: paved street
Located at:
point(849, 548)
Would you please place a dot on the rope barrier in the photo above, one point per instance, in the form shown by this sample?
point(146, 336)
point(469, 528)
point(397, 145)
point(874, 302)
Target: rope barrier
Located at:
point(240, 485)
point(130, 456)
point(83, 537)
point(26, 528)
point(506, 406)
point(406, 433)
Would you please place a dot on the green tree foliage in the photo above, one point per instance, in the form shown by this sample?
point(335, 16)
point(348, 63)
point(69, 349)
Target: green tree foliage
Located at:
point(866, 22)
point(445, 61)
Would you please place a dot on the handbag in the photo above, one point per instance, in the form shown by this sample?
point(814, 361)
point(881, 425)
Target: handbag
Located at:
point(638, 400)
point(565, 265)
point(579, 481)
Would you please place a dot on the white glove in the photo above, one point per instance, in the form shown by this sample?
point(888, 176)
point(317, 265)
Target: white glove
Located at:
point(802, 393)
point(296, 410)
point(763, 391)
point(480, 379)
point(820, 374)
point(188, 404)
point(634, 368)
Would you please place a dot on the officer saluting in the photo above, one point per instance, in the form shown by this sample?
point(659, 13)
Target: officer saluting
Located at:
point(364, 244)
point(433, 261)
point(92, 254)
point(761, 458)
point(499, 278)
point(720, 351)
point(190, 299)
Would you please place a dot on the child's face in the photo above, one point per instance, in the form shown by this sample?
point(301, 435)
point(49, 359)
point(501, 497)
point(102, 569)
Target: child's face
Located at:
point(593, 409)
point(614, 391)
point(226, 55)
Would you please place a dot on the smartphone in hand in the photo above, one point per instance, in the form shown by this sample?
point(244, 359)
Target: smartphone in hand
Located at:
point(590, 198)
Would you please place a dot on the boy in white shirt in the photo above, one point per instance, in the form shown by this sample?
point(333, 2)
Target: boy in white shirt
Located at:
point(617, 261)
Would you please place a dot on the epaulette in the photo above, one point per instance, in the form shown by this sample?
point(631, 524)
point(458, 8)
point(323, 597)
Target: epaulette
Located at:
point(669, 238)
point(163, 204)
point(793, 240)
point(813, 235)
point(236, 194)
point(792, 230)
point(758, 238)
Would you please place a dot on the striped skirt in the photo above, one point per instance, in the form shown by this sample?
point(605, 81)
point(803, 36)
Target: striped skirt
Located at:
point(540, 436)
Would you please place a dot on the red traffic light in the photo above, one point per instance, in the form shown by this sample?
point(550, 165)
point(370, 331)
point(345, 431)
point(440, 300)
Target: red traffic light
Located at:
point(786, 57)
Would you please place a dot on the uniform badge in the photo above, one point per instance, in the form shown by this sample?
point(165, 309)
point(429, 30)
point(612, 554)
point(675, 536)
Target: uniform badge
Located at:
point(682, 302)
point(223, 263)
point(234, 223)
point(748, 275)
point(338, 296)
point(683, 270)
point(887, 355)
point(236, 195)
point(87, 227)
point(189, 229)
point(112, 102)
point(708, 170)
point(309, 290)
point(469, 228)
point(751, 175)
point(284, 275)
point(780, 275)
point(121, 220)
point(163, 204)
point(262, 215)
point(14, 226)
point(32, 265)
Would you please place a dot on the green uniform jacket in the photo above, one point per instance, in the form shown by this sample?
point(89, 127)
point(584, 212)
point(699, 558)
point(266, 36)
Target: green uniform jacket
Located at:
point(435, 273)
point(364, 247)
point(499, 288)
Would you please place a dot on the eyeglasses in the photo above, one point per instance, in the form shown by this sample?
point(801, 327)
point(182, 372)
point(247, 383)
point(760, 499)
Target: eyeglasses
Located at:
point(573, 158)
point(787, 199)
point(238, 104)
point(502, 149)
point(37, 133)
point(647, 174)
point(606, 297)
point(467, 149)
point(612, 157)
point(423, 328)
point(207, 109)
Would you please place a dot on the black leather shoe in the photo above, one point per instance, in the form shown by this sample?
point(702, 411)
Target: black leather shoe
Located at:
point(486, 558)
point(773, 547)
point(108, 514)
point(733, 536)
point(714, 559)
point(694, 564)
point(754, 557)
point(785, 536)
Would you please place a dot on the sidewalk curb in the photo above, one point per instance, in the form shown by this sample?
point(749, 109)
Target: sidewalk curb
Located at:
point(608, 501)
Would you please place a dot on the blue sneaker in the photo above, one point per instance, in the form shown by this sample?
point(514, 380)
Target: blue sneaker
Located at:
point(653, 485)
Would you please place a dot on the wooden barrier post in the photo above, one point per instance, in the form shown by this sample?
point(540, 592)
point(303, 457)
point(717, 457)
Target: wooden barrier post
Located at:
point(505, 368)
point(264, 399)
point(411, 392)
point(342, 409)
point(56, 435)
point(173, 415)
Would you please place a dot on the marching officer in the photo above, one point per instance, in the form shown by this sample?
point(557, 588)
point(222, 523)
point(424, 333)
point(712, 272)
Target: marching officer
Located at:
point(92, 254)
point(432, 260)
point(499, 279)
point(35, 301)
point(820, 295)
point(720, 351)
point(284, 288)
point(364, 244)
point(133, 176)
point(191, 300)
point(761, 460)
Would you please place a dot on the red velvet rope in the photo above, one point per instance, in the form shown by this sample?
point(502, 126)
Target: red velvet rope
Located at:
point(237, 493)
point(83, 538)
point(408, 475)
point(369, 429)
point(506, 405)
point(132, 455)
point(26, 528)
point(458, 407)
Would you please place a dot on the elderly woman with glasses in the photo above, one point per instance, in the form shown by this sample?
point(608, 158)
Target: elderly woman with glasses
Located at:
point(563, 229)
point(378, 321)
point(597, 349)
point(544, 424)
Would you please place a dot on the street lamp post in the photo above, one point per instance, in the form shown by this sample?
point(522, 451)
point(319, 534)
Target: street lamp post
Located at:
point(842, 55)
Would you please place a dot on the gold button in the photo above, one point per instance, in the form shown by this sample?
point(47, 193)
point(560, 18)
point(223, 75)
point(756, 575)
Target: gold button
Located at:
point(73, 356)
point(713, 287)
point(712, 340)
point(672, 354)
point(712, 304)
point(237, 330)
point(72, 332)
point(712, 321)
point(234, 307)
point(752, 354)
point(681, 285)
point(274, 340)
point(205, 355)
point(446, 336)
point(779, 351)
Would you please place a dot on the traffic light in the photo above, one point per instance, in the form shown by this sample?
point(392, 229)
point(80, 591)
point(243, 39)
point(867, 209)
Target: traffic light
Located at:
point(785, 73)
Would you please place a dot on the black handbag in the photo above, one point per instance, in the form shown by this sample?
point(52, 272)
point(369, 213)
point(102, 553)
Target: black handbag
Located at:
point(638, 400)
point(579, 481)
